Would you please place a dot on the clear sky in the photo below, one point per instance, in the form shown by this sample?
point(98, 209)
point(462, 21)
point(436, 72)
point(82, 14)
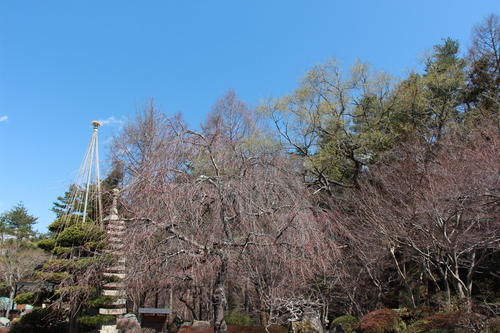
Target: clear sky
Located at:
point(65, 63)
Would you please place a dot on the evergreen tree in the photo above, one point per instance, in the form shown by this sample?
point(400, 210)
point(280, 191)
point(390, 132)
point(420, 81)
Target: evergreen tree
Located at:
point(113, 180)
point(426, 104)
point(18, 222)
point(63, 203)
point(483, 79)
point(73, 199)
point(79, 261)
point(77, 269)
point(444, 80)
point(3, 228)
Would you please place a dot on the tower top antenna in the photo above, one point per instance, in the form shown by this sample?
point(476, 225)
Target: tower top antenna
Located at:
point(96, 124)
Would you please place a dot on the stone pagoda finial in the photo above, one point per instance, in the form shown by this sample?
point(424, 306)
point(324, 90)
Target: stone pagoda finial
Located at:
point(113, 211)
point(114, 205)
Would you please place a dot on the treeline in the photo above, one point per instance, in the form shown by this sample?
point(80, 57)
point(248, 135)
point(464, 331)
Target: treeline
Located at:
point(355, 192)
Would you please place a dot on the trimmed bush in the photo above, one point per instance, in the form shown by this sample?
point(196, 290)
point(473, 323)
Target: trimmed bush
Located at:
point(64, 221)
point(47, 244)
point(381, 321)
point(443, 321)
point(457, 321)
point(79, 234)
point(89, 323)
point(348, 323)
point(26, 298)
point(93, 246)
point(61, 250)
point(40, 321)
point(100, 301)
point(55, 277)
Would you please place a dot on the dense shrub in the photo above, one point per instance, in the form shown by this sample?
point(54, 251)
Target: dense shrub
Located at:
point(90, 323)
point(79, 234)
point(457, 321)
point(100, 301)
point(420, 327)
point(440, 302)
point(238, 318)
point(422, 312)
point(241, 329)
point(25, 298)
point(61, 251)
point(63, 222)
point(128, 325)
point(54, 277)
point(494, 325)
point(446, 320)
point(47, 244)
point(96, 320)
point(40, 321)
point(381, 321)
point(348, 323)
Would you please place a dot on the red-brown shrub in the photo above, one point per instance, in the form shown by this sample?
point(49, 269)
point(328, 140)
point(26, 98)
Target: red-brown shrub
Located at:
point(239, 329)
point(468, 322)
point(380, 321)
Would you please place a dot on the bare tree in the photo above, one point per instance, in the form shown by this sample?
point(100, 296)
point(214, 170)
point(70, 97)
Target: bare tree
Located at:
point(486, 40)
point(219, 194)
point(145, 279)
point(17, 262)
point(438, 206)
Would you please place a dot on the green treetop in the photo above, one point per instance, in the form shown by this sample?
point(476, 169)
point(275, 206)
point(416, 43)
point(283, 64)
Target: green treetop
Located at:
point(18, 222)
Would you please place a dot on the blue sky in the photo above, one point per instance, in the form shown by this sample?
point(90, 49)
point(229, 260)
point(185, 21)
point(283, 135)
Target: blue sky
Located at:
point(65, 63)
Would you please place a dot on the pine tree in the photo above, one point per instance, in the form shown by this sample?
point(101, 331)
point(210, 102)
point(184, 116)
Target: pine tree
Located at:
point(79, 260)
point(77, 268)
point(18, 222)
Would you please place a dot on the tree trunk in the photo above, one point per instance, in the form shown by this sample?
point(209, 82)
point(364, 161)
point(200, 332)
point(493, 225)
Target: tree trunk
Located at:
point(263, 318)
point(135, 306)
point(138, 302)
point(73, 324)
point(458, 283)
point(190, 304)
point(171, 298)
point(73, 318)
point(403, 275)
point(11, 303)
point(200, 303)
point(246, 302)
point(470, 276)
point(448, 294)
point(219, 295)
